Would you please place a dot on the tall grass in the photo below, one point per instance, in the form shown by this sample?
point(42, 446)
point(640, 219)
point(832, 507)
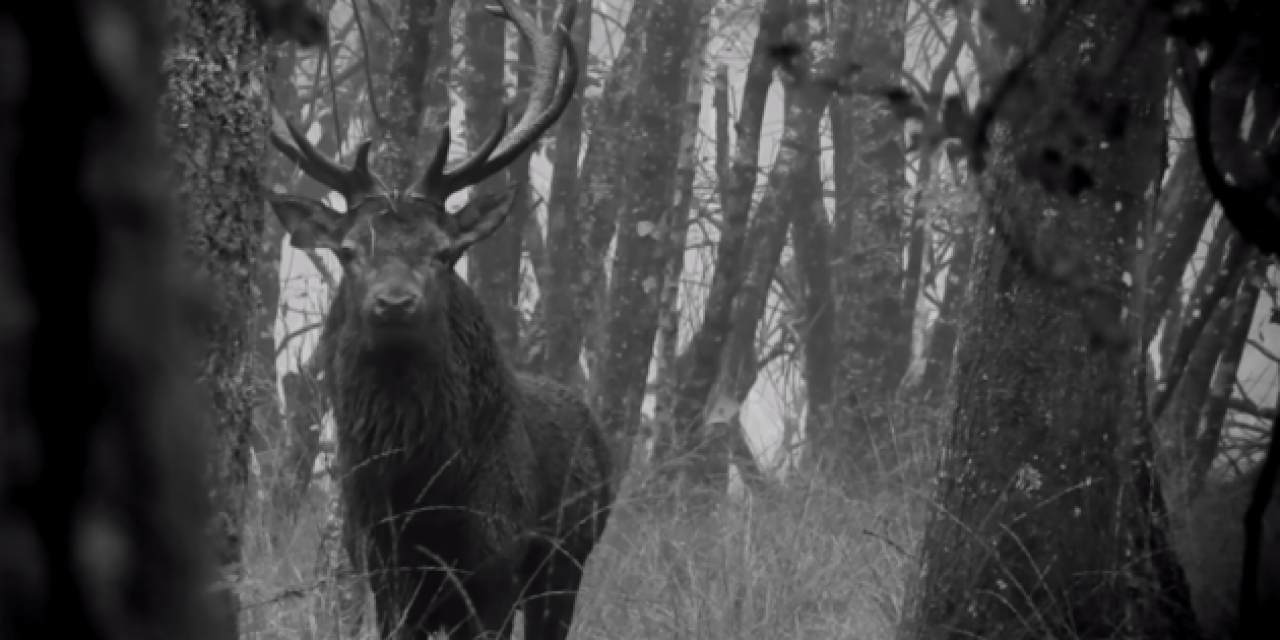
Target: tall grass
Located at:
point(798, 560)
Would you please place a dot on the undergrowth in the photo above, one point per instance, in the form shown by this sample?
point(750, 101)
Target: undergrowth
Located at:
point(796, 560)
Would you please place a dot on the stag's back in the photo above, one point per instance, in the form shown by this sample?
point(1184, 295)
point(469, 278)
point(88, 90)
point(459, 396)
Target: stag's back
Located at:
point(572, 489)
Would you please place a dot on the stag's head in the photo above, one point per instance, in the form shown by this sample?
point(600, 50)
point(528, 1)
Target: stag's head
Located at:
point(398, 248)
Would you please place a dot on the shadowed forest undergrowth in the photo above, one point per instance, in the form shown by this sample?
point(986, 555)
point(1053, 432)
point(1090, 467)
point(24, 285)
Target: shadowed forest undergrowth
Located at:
point(795, 560)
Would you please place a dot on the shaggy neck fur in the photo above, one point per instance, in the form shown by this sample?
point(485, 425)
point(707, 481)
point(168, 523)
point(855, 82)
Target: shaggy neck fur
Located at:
point(426, 404)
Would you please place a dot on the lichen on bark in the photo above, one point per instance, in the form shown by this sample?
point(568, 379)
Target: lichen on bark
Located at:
point(1036, 531)
point(214, 122)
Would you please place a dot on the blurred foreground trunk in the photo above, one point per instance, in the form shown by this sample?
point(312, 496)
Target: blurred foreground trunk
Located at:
point(101, 501)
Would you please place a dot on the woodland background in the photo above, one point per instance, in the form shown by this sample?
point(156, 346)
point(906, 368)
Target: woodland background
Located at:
point(866, 375)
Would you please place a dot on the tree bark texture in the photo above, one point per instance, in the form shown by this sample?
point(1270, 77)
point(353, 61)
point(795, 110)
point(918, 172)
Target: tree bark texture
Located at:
point(582, 218)
point(1024, 542)
point(1213, 414)
point(630, 320)
point(566, 244)
point(101, 501)
point(493, 266)
point(667, 373)
point(399, 110)
point(940, 353)
point(215, 124)
point(767, 238)
point(699, 365)
point(869, 172)
point(1210, 546)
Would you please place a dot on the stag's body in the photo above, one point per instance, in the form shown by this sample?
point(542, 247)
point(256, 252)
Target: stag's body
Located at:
point(469, 487)
point(445, 449)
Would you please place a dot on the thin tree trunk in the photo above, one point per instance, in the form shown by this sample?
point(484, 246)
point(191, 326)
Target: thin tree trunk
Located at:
point(1185, 205)
point(699, 365)
point(400, 109)
point(869, 172)
point(667, 378)
point(559, 353)
point(493, 266)
point(921, 245)
point(1214, 411)
point(580, 228)
point(630, 321)
point(942, 345)
point(1213, 285)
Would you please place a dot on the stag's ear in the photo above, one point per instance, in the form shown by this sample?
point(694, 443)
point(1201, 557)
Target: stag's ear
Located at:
point(481, 217)
point(311, 224)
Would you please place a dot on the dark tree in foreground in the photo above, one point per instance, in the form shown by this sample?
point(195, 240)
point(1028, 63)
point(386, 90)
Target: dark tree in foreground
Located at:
point(100, 495)
point(1025, 542)
point(215, 125)
point(101, 501)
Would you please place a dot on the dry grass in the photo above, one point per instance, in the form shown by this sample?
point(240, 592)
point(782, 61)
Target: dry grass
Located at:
point(796, 561)
point(800, 563)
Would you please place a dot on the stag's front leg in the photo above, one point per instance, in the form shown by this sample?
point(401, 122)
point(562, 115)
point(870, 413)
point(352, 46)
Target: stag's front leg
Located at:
point(494, 619)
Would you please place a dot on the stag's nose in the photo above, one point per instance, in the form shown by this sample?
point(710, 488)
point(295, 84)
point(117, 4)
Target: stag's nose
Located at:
point(395, 306)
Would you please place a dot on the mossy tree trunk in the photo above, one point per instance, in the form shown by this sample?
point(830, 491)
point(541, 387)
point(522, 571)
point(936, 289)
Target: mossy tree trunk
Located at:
point(1025, 541)
point(215, 123)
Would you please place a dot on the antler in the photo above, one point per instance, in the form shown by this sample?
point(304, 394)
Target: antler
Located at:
point(547, 101)
point(353, 182)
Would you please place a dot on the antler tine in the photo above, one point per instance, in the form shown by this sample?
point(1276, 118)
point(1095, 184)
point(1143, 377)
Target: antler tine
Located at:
point(547, 98)
point(317, 165)
point(436, 181)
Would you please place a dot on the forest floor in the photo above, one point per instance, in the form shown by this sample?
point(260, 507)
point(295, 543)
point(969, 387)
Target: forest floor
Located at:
point(796, 561)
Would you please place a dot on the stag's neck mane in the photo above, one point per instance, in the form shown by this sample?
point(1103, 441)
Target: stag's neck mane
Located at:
point(443, 388)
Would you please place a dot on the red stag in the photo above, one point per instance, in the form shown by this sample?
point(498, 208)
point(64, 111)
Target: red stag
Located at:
point(471, 489)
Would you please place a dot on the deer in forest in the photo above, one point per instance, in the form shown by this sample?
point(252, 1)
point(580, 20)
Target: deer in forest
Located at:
point(471, 489)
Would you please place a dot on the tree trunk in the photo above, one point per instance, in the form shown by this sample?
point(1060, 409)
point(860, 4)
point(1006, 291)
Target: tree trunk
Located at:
point(810, 233)
point(1024, 542)
point(579, 229)
point(699, 365)
point(400, 109)
point(1220, 279)
point(1182, 419)
point(215, 123)
point(630, 321)
point(493, 266)
point(868, 168)
point(921, 245)
point(942, 345)
point(667, 374)
point(560, 300)
point(100, 485)
point(1214, 411)
point(1185, 205)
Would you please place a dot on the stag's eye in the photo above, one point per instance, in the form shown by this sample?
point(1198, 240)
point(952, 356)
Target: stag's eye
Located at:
point(346, 253)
